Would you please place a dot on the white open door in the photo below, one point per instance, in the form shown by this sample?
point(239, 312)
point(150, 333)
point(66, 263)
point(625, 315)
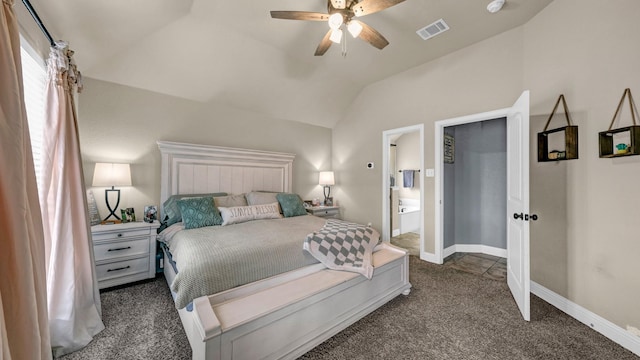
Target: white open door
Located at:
point(518, 202)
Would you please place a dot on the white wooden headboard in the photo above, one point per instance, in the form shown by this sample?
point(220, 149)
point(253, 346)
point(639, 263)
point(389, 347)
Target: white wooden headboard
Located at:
point(193, 169)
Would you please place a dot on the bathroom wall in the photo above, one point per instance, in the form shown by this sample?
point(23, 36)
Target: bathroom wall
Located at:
point(479, 183)
point(408, 158)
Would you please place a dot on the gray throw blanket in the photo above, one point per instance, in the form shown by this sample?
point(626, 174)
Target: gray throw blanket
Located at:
point(342, 245)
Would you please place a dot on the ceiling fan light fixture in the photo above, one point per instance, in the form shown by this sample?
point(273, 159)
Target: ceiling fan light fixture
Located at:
point(354, 28)
point(336, 36)
point(495, 6)
point(335, 21)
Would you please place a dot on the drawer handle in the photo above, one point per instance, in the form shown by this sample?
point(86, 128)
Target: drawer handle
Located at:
point(122, 248)
point(119, 235)
point(122, 268)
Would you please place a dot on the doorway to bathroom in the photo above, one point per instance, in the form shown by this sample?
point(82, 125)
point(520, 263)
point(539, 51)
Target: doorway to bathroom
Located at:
point(403, 204)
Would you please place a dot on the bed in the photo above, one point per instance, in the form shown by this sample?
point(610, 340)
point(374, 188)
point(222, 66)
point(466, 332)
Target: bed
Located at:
point(280, 316)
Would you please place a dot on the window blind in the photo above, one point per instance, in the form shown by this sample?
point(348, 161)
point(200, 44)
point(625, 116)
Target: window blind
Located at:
point(33, 78)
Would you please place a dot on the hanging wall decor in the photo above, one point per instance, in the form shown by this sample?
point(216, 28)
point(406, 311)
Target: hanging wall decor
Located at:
point(624, 141)
point(565, 147)
point(449, 149)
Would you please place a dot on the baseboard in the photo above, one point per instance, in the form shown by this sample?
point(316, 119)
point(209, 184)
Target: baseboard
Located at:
point(448, 251)
point(429, 257)
point(605, 327)
point(475, 248)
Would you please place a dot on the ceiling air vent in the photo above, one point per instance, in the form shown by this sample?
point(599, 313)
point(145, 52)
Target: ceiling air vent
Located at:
point(432, 30)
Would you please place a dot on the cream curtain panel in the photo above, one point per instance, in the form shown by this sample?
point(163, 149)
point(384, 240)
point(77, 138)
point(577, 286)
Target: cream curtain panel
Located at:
point(24, 332)
point(73, 296)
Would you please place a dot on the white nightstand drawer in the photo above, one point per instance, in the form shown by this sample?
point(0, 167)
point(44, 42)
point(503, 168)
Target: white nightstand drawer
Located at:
point(122, 268)
point(124, 252)
point(325, 211)
point(120, 234)
point(117, 249)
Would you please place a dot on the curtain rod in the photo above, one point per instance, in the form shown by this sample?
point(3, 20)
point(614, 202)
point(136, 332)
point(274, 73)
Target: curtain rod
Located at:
point(36, 18)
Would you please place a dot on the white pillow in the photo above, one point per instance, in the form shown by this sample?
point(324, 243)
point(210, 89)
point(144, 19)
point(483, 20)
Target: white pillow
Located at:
point(262, 198)
point(231, 200)
point(267, 211)
point(238, 214)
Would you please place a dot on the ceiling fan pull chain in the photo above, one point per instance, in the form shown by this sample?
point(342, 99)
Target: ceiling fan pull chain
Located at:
point(344, 46)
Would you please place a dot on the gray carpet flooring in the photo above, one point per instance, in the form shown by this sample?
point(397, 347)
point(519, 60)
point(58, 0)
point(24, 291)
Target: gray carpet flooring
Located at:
point(450, 314)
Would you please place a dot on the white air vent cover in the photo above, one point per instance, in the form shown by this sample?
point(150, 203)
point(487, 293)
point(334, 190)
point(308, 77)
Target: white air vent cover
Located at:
point(432, 30)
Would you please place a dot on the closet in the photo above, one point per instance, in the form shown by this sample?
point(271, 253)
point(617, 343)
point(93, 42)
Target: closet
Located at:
point(474, 188)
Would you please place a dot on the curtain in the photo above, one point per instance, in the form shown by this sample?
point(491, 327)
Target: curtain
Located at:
point(73, 296)
point(24, 333)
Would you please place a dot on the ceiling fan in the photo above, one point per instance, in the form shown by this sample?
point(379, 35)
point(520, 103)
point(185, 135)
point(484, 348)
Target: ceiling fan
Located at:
point(342, 12)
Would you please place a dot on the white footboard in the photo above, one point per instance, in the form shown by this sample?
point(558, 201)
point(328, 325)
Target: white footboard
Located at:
point(285, 316)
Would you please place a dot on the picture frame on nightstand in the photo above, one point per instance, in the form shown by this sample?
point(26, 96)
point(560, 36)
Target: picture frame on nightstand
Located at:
point(150, 213)
point(328, 201)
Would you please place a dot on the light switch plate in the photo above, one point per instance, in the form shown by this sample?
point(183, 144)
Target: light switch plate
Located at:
point(430, 173)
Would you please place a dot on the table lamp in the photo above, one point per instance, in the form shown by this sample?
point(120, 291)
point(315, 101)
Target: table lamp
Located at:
point(326, 180)
point(108, 174)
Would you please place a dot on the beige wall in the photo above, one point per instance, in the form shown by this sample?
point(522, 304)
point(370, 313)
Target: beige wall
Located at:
point(584, 49)
point(122, 124)
point(482, 77)
point(588, 51)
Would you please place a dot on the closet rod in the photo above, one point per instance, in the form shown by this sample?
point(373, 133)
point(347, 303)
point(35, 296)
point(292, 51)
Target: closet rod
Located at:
point(36, 18)
point(414, 170)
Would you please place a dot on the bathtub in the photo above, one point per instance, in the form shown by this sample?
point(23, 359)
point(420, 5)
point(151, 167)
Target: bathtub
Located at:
point(409, 215)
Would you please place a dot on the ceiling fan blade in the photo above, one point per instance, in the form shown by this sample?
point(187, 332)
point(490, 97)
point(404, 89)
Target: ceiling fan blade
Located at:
point(300, 15)
point(324, 44)
point(372, 36)
point(366, 7)
point(338, 4)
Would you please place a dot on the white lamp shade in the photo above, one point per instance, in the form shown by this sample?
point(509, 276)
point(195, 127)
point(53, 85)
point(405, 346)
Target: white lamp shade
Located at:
point(355, 28)
point(326, 178)
point(335, 21)
point(107, 174)
point(336, 36)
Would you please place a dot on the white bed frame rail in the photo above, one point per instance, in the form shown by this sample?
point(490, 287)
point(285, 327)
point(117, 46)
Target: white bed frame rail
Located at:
point(287, 315)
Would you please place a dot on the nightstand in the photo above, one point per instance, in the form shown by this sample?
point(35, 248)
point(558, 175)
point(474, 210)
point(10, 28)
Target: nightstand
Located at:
point(124, 252)
point(325, 211)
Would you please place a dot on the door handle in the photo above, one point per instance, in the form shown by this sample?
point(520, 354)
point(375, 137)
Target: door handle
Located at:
point(525, 217)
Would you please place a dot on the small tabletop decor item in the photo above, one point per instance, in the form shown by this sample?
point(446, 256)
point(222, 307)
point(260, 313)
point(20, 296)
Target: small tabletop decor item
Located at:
point(624, 141)
point(570, 141)
point(150, 213)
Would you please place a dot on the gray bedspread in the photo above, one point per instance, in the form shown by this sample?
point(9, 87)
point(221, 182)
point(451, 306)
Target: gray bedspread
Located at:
point(216, 258)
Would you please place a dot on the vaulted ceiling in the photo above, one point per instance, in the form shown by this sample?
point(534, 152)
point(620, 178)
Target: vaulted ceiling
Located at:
point(233, 52)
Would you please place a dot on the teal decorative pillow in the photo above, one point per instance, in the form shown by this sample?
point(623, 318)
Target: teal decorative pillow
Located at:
point(171, 210)
point(199, 212)
point(291, 205)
